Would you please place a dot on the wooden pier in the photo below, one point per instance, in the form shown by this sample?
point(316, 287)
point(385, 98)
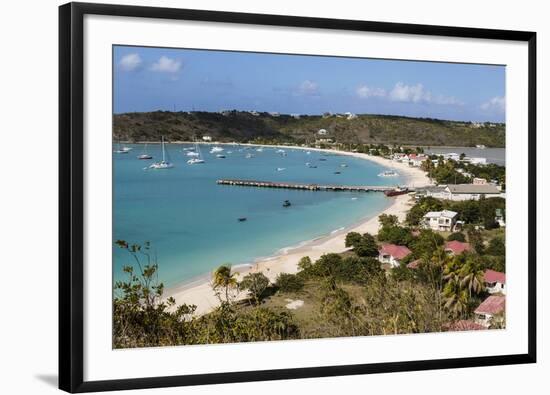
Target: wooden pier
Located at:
point(307, 187)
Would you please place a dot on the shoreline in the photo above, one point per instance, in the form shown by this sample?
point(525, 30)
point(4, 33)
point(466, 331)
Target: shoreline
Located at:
point(197, 291)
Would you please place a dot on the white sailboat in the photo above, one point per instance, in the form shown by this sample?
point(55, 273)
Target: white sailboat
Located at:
point(144, 154)
point(164, 163)
point(198, 155)
point(216, 149)
point(120, 150)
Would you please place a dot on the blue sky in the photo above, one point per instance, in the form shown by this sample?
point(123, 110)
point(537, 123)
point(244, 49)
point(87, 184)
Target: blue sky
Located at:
point(148, 79)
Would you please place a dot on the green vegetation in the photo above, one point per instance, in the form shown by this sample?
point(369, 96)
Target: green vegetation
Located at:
point(244, 127)
point(453, 172)
point(475, 212)
point(343, 295)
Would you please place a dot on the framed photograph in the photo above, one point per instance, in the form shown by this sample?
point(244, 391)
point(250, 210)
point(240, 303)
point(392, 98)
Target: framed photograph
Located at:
point(251, 197)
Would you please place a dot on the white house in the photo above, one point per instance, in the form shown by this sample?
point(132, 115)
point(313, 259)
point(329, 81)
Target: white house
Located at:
point(322, 132)
point(435, 191)
point(476, 161)
point(490, 307)
point(440, 220)
point(458, 192)
point(495, 282)
point(392, 254)
point(207, 138)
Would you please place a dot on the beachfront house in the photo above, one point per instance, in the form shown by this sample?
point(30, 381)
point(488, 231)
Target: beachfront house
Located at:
point(416, 160)
point(440, 220)
point(322, 132)
point(490, 307)
point(456, 247)
point(495, 282)
point(392, 254)
point(458, 192)
point(206, 138)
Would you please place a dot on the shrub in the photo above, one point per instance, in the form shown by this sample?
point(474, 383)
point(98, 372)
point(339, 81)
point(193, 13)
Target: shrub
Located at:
point(289, 282)
point(457, 236)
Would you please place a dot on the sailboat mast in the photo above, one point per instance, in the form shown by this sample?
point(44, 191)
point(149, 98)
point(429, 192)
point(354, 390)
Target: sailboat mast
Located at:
point(162, 143)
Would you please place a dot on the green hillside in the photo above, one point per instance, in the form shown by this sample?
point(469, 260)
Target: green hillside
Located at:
point(245, 127)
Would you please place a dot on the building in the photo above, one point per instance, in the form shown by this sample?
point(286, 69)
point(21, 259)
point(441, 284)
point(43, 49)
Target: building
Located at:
point(414, 264)
point(490, 307)
point(499, 217)
point(416, 160)
point(495, 282)
point(274, 114)
point(322, 132)
point(436, 191)
point(463, 325)
point(324, 141)
point(392, 254)
point(207, 138)
point(456, 247)
point(479, 181)
point(440, 220)
point(476, 161)
point(458, 192)
point(350, 115)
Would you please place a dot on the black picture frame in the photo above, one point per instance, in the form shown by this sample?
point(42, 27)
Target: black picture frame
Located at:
point(71, 195)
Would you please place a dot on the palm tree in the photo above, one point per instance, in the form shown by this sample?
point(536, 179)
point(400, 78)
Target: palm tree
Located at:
point(473, 274)
point(455, 297)
point(223, 278)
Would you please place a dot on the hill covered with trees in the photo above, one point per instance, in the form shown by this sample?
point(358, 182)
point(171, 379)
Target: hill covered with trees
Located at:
point(242, 126)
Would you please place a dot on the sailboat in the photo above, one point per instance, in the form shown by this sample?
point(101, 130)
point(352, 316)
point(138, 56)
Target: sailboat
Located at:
point(198, 159)
point(144, 154)
point(164, 163)
point(121, 150)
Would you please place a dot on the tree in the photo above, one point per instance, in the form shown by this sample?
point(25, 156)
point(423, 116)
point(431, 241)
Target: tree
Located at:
point(395, 235)
point(496, 247)
point(256, 284)
point(426, 243)
point(458, 236)
point(225, 280)
point(387, 220)
point(289, 282)
point(141, 317)
point(367, 246)
point(472, 274)
point(353, 239)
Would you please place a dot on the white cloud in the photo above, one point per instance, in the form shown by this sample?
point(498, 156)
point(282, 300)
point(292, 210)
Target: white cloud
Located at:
point(409, 93)
point(130, 62)
point(417, 94)
point(364, 92)
point(166, 65)
point(308, 88)
point(497, 103)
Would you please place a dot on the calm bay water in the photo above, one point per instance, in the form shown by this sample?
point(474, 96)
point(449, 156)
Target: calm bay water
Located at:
point(193, 224)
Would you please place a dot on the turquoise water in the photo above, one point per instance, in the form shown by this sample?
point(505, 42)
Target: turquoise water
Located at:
point(192, 223)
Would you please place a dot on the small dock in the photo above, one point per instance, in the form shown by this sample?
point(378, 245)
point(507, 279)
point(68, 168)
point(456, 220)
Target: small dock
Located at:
point(307, 187)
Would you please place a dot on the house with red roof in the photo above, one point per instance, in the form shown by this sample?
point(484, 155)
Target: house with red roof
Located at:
point(414, 264)
point(495, 282)
point(456, 247)
point(392, 254)
point(463, 325)
point(490, 307)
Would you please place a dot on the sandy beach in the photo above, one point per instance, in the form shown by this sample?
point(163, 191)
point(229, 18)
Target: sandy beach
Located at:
point(200, 292)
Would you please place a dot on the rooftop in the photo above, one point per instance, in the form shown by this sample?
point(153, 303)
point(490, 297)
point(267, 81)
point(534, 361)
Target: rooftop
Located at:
point(473, 188)
point(398, 252)
point(492, 305)
point(463, 325)
point(492, 276)
point(444, 213)
point(457, 247)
